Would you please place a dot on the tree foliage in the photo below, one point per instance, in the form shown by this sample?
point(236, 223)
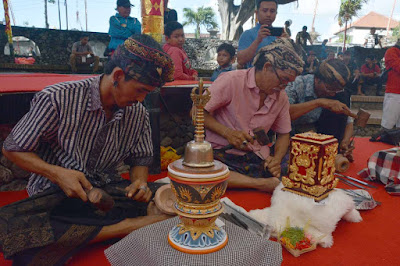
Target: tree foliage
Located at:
point(349, 9)
point(204, 16)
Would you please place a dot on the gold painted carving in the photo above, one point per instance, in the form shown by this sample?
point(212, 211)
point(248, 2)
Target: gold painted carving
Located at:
point(329, 163)
point(316, 190)
point(304, 156)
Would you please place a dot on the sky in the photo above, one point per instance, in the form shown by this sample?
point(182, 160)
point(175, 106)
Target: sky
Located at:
point(31, 13)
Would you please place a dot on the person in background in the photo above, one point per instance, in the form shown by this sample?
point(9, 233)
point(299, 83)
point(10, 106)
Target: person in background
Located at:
point(340, 56)
point(225, 58)
point(80, 52)
point(317, 103)
point(287, 27)
point(351, 85)
point(302, 37)
point(122, 26)
point(323, 54)
point(245, 99)
point(169, 14)
point(372, 39)
point(331, 55)
point(311, 63)
point(254, 39)
point(370, 74)
point(72, 140)
point(175, 38)
point(391, 103)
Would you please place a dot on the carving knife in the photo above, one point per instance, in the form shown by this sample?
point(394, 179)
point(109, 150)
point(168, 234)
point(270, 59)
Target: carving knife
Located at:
point(356, 180)
point(348, 182)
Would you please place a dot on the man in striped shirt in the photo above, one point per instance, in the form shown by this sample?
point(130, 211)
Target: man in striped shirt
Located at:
point(72, 139)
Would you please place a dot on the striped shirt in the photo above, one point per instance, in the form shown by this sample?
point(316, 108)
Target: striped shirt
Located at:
point(66, 126)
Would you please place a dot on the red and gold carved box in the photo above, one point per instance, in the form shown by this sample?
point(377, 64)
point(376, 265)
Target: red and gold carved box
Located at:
point(311, 165)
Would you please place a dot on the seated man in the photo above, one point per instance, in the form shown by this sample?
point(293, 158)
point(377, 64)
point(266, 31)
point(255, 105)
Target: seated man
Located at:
point(370, 75)
point(72, 139)
point(79, 55)
point(247, 99)
point(309, 95)
point(311, 64)
point(351, 85)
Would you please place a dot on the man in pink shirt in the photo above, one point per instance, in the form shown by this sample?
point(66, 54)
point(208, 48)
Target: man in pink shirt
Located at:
point(247, 99)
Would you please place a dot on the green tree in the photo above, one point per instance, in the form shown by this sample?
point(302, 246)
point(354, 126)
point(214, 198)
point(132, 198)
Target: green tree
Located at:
point(347, 10)
point(395, 34)
point(204, 16)
point(45, 11)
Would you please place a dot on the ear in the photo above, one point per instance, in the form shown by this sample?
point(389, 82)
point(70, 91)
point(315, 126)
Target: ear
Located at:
point(118, 74)
point(166, 38)
point(267, 66)
point(233, 59)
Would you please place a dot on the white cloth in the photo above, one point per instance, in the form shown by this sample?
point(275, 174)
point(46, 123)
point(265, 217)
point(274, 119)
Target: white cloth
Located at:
point(391, 111)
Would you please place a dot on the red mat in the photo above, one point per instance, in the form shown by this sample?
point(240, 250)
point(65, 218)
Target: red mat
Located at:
point(374, 241)
point(16, 83)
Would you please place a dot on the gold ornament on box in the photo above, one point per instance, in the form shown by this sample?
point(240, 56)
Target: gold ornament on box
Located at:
point(311, 165)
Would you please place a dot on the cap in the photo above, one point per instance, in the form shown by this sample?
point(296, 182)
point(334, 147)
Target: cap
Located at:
point(124, 3)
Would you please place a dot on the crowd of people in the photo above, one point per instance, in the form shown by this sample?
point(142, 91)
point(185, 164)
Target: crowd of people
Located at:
point(77, 133)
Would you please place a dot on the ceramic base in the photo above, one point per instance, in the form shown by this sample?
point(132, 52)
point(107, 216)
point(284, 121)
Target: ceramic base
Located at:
point(188, 242)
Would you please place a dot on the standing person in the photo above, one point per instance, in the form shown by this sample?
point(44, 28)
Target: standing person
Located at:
point(287, 27)
point(245, 99)
point(391, 103)
point(372, 39)
point(254, 39)
point(79, 53)
point(302, 37)
point(225, 58)
point(122, 26)
point(175, 38)
point(169, 14)
point(323, 54)
point(72, 140)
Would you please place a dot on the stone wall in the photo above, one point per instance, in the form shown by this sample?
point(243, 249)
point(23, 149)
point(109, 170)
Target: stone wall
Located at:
point(55, 46)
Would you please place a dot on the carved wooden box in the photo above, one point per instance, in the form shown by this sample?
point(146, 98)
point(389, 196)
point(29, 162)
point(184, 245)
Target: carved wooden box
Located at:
point(312, 165)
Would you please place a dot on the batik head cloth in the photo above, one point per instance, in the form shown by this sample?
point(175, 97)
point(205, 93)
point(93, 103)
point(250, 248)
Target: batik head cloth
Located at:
point(143, 63)
point(282, 55)
point(334, 71)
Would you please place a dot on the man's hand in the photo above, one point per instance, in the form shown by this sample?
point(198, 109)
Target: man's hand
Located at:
point(138, 191)
point(73, 183)
point(236, 138)
point(262, 33)
point(337, 107)
point(346, 148)
point(273, 165)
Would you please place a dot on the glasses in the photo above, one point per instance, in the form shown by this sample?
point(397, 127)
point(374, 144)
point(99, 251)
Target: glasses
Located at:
point(284, 80)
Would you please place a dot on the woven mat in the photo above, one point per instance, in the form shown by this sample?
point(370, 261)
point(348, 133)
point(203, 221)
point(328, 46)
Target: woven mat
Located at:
point(149, 246)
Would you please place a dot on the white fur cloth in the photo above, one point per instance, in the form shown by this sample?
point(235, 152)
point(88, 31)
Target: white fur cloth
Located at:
point(322, 217)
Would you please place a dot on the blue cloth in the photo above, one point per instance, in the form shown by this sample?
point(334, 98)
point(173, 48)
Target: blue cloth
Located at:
point(323, 55)
point(220, 70)
point(301, 90)
point(119, 33)
point(249, 36)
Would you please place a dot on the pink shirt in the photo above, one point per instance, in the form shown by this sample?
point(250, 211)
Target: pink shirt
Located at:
point(234, 103)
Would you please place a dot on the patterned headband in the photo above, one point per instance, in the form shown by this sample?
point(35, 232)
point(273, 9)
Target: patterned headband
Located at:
point(282, 55)
point(334, 71)
point(144, 64)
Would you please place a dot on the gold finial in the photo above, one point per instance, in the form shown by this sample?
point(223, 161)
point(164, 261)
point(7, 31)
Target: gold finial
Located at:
point(199, 101)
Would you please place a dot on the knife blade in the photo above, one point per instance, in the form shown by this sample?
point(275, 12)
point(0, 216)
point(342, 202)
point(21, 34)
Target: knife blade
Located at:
point(348, 182)
point(356, 180)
